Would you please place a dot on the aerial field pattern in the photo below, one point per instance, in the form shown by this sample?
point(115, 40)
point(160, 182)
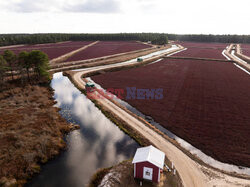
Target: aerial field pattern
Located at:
point(207, 104)
point(105, 48)
point(202, 50)
point(53, 50)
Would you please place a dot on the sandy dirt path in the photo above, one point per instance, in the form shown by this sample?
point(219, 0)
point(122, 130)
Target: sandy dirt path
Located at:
point(56, 67)
point(230, 53)
point(10, 46)
point(186, 167)
point(239, 54)
point(191, 173)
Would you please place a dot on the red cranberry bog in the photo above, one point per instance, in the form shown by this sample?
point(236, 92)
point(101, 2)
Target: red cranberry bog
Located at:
point(245, 49)
point(212, 45)
point(202, 50)
point(205, 103)
point(105, 48)
point(53, 50)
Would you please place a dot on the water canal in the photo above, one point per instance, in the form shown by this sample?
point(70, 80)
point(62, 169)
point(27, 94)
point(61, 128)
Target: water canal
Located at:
point(99, 143)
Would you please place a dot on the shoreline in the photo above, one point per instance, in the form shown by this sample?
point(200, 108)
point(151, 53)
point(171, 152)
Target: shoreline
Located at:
point(34, 132)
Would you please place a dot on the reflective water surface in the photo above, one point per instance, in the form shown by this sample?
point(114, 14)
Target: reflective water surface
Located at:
point(99, 143)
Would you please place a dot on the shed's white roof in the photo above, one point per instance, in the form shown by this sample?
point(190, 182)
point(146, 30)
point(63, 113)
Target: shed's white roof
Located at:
point(150, 154)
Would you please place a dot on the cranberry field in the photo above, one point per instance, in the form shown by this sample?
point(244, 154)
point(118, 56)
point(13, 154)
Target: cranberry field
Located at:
point(105, 48)
point(202, 50)
point(203, 45)
point(53, 50)
point(205, 103)
point(246, 49)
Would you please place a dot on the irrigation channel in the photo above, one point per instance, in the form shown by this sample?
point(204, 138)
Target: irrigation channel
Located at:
point(99, 143)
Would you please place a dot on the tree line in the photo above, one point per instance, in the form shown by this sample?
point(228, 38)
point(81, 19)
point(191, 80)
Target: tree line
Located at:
point(155, 38)
point(210, 38)
point(24, 65)
point(14, 39)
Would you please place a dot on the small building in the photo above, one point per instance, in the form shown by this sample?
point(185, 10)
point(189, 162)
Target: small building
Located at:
point(148, 163)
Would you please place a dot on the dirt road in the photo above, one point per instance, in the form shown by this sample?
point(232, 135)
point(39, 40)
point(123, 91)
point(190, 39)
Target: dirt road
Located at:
point(191, 173)
point(67, 55)
point(230, 53)
point(110, 59)
point(239, 54)
point(10, 46)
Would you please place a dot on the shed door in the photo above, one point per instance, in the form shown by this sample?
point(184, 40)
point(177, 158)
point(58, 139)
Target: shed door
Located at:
point(147, 173)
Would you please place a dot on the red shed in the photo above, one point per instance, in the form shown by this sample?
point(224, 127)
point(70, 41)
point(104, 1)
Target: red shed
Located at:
point(148, 163)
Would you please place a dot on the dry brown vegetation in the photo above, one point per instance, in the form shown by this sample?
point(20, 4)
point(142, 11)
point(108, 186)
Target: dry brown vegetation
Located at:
point(31, 132)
